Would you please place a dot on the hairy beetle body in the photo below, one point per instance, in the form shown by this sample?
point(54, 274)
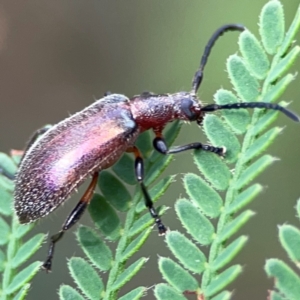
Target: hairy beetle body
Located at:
point(66, 154)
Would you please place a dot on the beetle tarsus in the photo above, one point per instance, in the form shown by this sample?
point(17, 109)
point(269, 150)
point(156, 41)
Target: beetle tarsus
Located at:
point(47, 265)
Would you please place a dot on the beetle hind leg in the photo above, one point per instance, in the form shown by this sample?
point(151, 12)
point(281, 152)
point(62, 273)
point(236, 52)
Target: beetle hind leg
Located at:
point(32, 139)
point(72, 219)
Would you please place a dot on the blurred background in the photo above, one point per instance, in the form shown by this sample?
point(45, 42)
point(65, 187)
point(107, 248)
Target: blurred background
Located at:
point(56, 57)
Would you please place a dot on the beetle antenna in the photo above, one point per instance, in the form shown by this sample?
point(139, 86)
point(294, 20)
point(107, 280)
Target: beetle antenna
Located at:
point(199, 73)
point(213, 107)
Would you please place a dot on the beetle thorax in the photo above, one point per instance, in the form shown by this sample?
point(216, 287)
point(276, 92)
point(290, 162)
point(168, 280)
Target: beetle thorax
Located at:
point(154, 111)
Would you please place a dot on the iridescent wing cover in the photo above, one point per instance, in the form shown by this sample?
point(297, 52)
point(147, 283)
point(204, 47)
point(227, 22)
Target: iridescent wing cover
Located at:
point(64, 156)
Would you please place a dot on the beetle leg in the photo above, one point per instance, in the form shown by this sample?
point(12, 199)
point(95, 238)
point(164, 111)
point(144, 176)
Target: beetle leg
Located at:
point(160, 145)
point(33, 138)
point(72, 219)
point(139, 173)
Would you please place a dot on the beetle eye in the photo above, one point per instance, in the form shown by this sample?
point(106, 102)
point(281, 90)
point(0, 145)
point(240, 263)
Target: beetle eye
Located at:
point(186, 107)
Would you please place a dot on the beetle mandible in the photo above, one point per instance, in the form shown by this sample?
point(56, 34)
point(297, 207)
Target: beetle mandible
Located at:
point(96, 137)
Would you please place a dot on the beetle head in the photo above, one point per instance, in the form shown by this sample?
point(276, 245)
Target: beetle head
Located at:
point(191, 108)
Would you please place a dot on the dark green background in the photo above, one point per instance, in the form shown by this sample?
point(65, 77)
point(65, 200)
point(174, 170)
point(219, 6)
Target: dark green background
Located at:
point(57, 56)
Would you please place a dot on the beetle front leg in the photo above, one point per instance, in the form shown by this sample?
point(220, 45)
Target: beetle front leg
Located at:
point(72, 219)
point(139, 173)
point(160, 145)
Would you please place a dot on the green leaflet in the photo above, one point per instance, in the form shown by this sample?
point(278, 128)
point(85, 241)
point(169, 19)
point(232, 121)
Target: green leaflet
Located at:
point(220, 135)
point(289, 237)
point(275, 296)
point(228, 253)
point(209, 200)
point(22, 292)
point(129, 273)
point(157, 168)
point(271, 26)
point(213, 169)
point(287, 280)
point(244, 83)
point(163, 291)
point(94, 248)
point(135, 245)
point(275, 91)
point(186, 252)
point(265, 121)
point(254, 170)
point(176, 276)
point(4, 232)
point(233, 226)
point(2, 261)
point(114, 191)
point(196, 224)
point(124, 169)
point(222, 280)
point(144, 144)
point(291, 33)
point(225, 295)
point(23, 277)
point(244, 198)
point(105, 218)
point(5, 203)
point(66, 292)
point(284, 64)
point(145, 221)
point(23, 229)
point(134, 294)
point(237, 119)
point(7, 163)
point(86, 278)
point(262, 143)
point(27, 250)
point(254, 55)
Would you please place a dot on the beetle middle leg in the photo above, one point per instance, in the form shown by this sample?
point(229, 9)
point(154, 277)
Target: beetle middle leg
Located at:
point(160, 145)
point(72, 219)
point(139, 173)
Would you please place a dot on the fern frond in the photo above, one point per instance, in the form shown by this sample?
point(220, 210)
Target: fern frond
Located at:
point(14, 252)
point(254, 78)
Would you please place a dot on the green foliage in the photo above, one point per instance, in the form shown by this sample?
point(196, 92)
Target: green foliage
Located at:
point(14, 253)
point(254, 78)
point(287, 281)
point(128, 236)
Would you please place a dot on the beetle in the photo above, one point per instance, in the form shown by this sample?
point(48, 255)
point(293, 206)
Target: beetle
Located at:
point(55, 164)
